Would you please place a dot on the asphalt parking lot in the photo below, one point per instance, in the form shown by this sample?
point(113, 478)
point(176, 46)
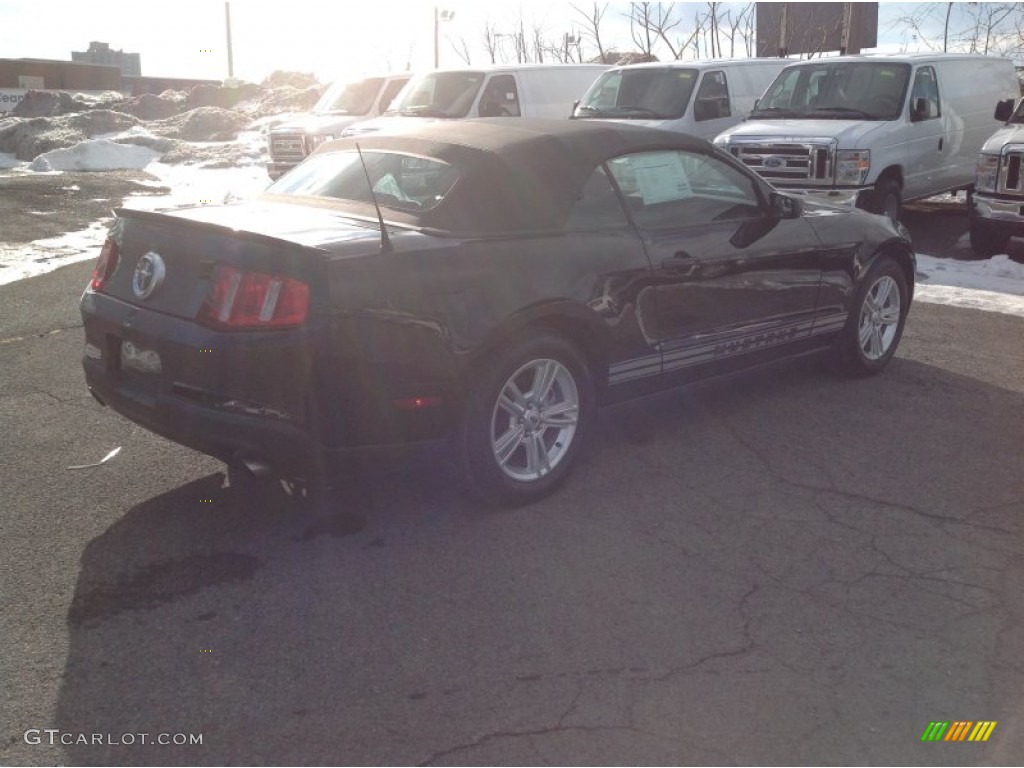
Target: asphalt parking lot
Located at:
point(784, 567)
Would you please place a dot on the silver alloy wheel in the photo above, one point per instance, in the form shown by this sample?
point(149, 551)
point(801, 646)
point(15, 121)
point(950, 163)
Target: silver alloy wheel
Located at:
point(534, 419)
point(879, 318)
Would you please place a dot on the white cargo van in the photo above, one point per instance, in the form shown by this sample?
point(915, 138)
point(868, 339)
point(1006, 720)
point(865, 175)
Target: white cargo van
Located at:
point(997, 205)
point(515, 90)
point(877, 130)
point(701, 98)
point(343, 104)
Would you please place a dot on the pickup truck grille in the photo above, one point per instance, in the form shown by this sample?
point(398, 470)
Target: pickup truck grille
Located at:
point(287, 146)
point(1009, 173)
point(782, 163)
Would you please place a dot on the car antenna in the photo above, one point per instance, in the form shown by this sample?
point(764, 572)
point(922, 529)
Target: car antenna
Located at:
point(385, 241)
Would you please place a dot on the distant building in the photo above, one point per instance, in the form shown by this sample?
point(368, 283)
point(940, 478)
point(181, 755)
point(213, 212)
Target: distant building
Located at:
point(100, 53)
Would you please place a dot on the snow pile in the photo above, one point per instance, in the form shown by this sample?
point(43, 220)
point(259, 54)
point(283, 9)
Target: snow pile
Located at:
point(993, 285)
point(96, 155)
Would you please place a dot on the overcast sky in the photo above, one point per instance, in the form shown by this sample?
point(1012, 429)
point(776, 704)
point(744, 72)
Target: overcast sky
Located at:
point(186, 38)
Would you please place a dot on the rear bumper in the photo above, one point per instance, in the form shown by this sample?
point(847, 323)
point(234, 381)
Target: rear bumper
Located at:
point(279, 397)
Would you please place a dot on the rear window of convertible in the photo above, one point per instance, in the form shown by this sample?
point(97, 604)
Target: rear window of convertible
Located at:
point(402, 182)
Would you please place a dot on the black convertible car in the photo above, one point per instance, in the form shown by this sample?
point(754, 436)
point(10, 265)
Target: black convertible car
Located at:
point(481, 281)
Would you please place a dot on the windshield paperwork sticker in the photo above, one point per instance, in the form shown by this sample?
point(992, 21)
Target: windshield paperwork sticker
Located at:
point(660, 177)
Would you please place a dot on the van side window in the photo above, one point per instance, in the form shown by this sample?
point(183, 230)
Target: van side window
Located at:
point(390, 91)
point(712, 100)
point(500, 98)
point(926, 87)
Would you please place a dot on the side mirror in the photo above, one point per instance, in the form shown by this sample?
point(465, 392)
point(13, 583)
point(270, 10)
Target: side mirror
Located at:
point(756, 102)
point(786, 207)
point(1003, 110)
point(918, 109)
point(490, 109)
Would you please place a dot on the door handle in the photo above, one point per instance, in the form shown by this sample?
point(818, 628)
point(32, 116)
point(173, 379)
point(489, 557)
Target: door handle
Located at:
point(940, 144)
point(681, 260)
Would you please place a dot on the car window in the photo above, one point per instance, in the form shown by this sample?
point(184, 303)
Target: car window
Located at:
point(926, 87)
point(598, 205)
point(403, 182)
point(500, 97)
point(712, 100)
point(677, 189)
point(390, 91)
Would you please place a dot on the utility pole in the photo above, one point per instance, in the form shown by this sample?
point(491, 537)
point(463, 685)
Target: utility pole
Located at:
point(227, 24)
point(439, 16)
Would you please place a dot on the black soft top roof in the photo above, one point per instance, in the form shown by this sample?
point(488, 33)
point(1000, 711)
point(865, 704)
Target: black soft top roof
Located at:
point(517, 174)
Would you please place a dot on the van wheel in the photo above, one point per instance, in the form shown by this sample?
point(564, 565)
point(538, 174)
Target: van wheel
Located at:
point(525, 420)
point(985, 242)
point(886, 198)
point(877, 316)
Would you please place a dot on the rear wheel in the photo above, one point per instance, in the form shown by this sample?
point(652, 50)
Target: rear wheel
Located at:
point(875, 325)
point(525, 420)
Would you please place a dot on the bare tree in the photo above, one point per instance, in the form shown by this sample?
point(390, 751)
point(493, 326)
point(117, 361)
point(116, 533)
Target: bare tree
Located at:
point(989, 28)
point(642, 26)
point(492, 42)
point(592, 27)
point(738, 24)
point(461, 49)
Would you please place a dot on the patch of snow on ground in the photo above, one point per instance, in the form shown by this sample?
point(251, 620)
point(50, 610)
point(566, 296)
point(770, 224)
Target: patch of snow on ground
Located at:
point(993, 285)
point(42, 256)
point(95, 155)
point(189, 185)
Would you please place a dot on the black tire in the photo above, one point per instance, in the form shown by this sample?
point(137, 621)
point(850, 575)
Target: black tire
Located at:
point(537, 459)
point(986, 242)
point(863, 348)
point(886, 198)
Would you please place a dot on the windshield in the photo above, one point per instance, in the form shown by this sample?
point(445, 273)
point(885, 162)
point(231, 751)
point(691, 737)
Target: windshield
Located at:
point(838, 91)
point(350, 98)
point(639, 94)
point(402, 182)
point(438, 94)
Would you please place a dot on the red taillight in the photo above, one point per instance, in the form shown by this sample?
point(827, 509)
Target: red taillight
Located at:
point(241, 299)
point(105, 265)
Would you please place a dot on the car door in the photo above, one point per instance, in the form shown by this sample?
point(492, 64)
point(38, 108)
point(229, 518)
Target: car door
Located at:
point(730, 275)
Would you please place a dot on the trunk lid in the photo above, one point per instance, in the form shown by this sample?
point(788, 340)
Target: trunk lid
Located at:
point(269, 237)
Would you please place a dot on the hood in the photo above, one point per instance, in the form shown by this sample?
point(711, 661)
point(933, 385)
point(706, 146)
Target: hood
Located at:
point(305, 225)
point(1008, 134)
point(850, 134)
point(331, 125)
point(389, 124)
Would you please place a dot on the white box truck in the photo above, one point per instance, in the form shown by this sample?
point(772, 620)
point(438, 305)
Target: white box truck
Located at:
point(701, 98)
point(874, 131)
point(515, 90)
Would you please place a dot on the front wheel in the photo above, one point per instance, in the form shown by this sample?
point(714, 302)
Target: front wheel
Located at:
point(875, 325)
point(985, 241)
point(886, 199)
point(525, 420)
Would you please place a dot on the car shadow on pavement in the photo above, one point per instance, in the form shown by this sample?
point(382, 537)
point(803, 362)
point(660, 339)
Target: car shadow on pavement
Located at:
point(284, 640)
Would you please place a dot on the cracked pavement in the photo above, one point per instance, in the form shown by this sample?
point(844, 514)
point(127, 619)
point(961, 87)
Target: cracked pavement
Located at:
point(782, 568)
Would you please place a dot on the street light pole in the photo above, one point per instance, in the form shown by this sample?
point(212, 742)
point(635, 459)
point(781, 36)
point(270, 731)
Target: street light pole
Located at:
point(439, 16)
point(227, 23)
point(436, 53)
